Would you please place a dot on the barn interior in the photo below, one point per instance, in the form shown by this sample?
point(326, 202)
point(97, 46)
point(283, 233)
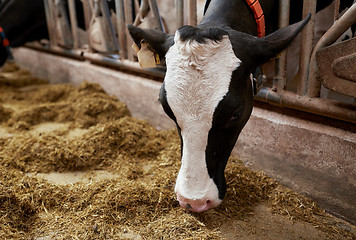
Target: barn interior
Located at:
point(291, 174)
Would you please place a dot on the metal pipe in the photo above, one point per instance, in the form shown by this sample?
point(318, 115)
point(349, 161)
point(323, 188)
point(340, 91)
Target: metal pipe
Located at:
point(125, 65)
point(335, 31)
point(306, 46)
point(336, 9)
point(50, 24)
point(324, 107)
point(179, 12)
point(279, 79)
point(73, 23)
point(64, 32)
point(56, 50)
point(192, 12)
point(87, 13)
point(142, 12)
point(107, 16)
point(155, 11)
point(121, 28)
point(128, 8)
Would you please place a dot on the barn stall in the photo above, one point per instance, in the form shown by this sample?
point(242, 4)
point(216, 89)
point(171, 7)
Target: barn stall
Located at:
point(77, 162)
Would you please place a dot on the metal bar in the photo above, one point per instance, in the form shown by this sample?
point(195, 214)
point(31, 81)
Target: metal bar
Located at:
point(142, 12)
point(192, 12)
point(335, 31)
point(50, 24)
point(73, 23)
point(179, 12)
point(121, 28)
point(106, 14)
point(336, 10)
point(128, 20)
point(324, 107)
point(279, 79)
point(126, 65)
point(155, 11)
point(56, 50)
point(136, 7)
point(306, 46)
point(64, 31)
point(87, 13)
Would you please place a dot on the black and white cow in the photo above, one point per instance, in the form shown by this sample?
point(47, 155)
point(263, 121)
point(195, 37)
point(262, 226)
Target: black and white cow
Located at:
point(207, 89)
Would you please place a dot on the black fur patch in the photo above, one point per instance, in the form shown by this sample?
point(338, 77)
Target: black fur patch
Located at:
point(200, 34)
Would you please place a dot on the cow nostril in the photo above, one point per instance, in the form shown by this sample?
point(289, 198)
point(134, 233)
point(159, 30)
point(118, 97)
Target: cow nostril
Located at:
point(188, 206)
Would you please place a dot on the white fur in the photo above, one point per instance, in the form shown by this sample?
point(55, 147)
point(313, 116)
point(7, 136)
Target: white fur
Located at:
point(198, 77)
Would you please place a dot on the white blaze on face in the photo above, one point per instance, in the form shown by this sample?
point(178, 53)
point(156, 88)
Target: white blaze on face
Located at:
point(197, 78)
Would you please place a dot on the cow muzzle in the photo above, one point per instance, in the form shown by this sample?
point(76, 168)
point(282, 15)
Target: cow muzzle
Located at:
point(196, 205)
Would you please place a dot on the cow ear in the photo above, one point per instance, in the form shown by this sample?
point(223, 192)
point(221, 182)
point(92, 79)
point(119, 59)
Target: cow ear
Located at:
point(272, 45)
point(158, 41)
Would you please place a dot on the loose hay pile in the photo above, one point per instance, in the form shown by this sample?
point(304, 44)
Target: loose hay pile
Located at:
point(60, 128)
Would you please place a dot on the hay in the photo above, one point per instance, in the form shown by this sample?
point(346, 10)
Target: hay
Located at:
point(13, 76)
point(62, 128)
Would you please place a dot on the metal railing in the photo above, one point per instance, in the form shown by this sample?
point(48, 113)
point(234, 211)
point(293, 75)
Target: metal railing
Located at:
point(111, 45)
point(307, 98)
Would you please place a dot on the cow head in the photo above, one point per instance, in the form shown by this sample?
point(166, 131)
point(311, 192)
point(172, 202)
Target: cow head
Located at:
point(208, 94)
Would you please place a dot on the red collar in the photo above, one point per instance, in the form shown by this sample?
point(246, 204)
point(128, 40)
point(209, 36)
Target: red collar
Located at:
point(4, 41)
point(259, 16)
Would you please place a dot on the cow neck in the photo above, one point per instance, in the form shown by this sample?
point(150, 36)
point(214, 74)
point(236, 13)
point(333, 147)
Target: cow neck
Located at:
point(256, 8)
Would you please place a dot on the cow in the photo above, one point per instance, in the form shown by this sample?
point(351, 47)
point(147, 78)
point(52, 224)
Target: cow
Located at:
point(20, 22)
point(207, 89)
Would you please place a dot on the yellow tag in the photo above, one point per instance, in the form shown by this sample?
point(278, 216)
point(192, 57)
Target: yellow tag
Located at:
point(135, 47)
point(146, 57)
point(158, 61)
point(276, 57)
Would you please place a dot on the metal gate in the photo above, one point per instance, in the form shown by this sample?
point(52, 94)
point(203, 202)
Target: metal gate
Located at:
point(103, 38)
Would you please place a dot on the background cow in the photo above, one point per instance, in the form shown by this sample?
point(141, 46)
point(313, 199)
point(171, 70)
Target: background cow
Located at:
point(22, 21)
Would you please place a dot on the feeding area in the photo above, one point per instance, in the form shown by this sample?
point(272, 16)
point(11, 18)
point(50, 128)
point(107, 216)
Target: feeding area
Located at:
point(74, 164)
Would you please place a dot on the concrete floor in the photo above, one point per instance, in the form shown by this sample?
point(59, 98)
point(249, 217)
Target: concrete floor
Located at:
point(313, 155)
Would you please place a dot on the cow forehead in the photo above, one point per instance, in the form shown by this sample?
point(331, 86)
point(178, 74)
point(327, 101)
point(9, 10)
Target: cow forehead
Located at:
point(198, 77)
